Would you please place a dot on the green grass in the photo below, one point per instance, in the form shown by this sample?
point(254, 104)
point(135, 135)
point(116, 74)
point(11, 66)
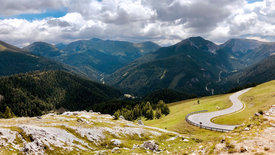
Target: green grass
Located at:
point(175, 121)
point(258, 98)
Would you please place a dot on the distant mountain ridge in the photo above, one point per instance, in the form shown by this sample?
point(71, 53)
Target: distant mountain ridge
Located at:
point(186, 66)
point(94, 57)
point(260, 72)
point(193, 65)
point(14, 60)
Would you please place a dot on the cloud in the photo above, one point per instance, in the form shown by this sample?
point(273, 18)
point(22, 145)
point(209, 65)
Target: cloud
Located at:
point(165, 22)
point(10, 8)
point(58, 22)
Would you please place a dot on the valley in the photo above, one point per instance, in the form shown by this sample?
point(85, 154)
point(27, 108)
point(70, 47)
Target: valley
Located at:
point(92, 132)
point(102, 77)
point(43, 87)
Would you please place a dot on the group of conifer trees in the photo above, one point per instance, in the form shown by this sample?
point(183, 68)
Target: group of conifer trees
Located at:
point(143, 110)
point(7, 114)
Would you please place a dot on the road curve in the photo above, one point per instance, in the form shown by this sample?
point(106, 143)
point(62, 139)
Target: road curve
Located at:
point(205, 118)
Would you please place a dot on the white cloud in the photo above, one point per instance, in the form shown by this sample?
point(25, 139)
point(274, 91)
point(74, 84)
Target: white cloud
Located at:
point(165, 21)
point(10, 7)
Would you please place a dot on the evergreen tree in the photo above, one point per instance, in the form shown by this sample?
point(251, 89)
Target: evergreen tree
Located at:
point(158, 113)
point(127, 114)
point(146, 108)
point(117, 114)
point(137, 112)
point(8, 113)
point(163, 107)
point(149, 114)
point(165, 110)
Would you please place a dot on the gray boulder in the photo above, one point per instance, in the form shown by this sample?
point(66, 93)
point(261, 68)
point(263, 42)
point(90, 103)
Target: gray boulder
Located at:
point(115, 150)
point(121, 117)
point(140, 122)
point(116, 142)
point(151, 145)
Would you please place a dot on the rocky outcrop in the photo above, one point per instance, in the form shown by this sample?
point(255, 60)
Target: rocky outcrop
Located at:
point(257, 140)
point(80, 131)
point(150, 145)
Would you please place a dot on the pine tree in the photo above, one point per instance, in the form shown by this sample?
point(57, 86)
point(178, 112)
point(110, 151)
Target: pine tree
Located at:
point(117, 114)
point(127, 114)
point(158, 113)
point(146, 107)
point(137, 112)
point(8, 113)
point(165, 110)
point(149, 114)
point(163, 107)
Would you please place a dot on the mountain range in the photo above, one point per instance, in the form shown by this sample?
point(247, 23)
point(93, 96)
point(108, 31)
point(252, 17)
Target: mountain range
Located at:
point(193, 66)
point(94, 57)
point(14, 60)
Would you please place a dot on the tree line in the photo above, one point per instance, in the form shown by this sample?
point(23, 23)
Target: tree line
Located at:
point(34, 94)
point(144, 109)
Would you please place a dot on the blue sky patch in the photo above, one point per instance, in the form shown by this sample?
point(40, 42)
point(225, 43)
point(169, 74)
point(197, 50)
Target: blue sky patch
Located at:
point(39, 16)
point(253, 1)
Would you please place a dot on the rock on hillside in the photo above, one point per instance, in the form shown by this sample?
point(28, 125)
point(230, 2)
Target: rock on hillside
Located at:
point(255, 140)
point(81, 132)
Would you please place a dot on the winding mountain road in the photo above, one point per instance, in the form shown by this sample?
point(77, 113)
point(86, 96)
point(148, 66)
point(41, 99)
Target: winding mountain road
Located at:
point(205, 118)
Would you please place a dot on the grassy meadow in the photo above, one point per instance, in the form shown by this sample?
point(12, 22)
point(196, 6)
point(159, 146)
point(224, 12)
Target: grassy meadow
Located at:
point(258, 98)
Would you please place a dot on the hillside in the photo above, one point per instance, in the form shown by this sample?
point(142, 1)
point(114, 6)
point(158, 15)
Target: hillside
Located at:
point(83, 132)
point(260, 72)
point(188, 66)
point(194, 65)
point(94, 57)
point(259, 98)
point(241, 53)
point(33, 94)
point(14, 60)
point(39, 48)
point(89, 132)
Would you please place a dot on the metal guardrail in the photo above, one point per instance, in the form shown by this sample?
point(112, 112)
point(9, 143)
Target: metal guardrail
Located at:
point(203, 126)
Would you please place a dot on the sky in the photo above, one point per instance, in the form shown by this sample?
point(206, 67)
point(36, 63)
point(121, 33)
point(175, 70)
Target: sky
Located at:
point(165, 22)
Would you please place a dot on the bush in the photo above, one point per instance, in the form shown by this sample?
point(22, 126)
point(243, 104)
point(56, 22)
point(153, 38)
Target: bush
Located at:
point(260, 112)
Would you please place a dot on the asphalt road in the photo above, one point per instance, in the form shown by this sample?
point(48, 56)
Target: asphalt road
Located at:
point(205, 118)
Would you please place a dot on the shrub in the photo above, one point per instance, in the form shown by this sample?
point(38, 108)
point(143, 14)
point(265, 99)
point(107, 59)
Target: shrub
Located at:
point(260, 112)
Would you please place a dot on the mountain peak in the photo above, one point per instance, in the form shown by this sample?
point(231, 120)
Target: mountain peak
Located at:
point(197, 38)
point(43, 49)
point(41, 43)
point(242, 45)
point(96, 39)
point(201, 43)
